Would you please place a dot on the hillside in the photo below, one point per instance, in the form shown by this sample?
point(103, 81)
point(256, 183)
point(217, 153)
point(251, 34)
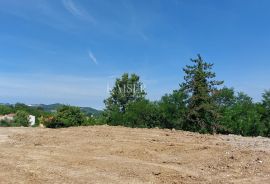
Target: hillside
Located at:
point(53, 108)
point(103, 154)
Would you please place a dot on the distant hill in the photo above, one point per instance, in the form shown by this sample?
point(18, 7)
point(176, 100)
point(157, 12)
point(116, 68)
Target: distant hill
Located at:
point(53, 108)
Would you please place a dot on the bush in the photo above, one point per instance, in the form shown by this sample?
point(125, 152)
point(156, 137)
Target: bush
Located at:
point(142, 114)
point(5, 109)
point(4, 123)
point(21, 119)
point(113, 116)
point(173, 109)
point(55, 124)
point(89, 121)
point(67, 116)
point(242, 117)
point(100, 120)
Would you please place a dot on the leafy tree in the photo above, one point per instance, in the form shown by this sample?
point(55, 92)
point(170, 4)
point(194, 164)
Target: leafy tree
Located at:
point(202, 114)
point(173, 109)
point(5, 109)
point(127, 89)
point(224, 97)
point(67, 116)
point(35, 111)
point(21, 106)
point(224, 100)
point(21, 119)
point(143, 114)
point(242, 117)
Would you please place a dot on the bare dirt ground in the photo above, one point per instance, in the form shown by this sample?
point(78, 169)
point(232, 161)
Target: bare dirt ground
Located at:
point(103, 154)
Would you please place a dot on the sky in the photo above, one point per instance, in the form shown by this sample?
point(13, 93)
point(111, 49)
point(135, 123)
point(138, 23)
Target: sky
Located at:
point(71, 51)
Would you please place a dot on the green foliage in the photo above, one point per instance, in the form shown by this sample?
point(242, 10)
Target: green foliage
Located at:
point(64, 117)
point(52, 108)
point(67, 116)
point(6, 109)
point(242, 117)
point(264, 110)
point(89, 121)
point(21, 107)
point(127, 106)
point(202, 114)
point(21, 119)
point(142, 114)
point(35, 111)
point(4, 123)
point(100, 120)
point(199, 105)
point(173, 108)
point(113, 116)
point(224, 98)
point(126, 90)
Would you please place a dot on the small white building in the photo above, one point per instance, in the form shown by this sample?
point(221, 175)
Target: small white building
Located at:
point(10, 117)
point(32, 120)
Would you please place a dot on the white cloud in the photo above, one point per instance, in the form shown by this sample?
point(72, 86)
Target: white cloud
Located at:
point(70, 6)
point(77, 11)
point(92, 57)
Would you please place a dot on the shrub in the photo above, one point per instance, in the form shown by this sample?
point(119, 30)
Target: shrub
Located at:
point(66, 116)
point(143, 114)
point(21, 119)
point(89, 121)
point(4, 123)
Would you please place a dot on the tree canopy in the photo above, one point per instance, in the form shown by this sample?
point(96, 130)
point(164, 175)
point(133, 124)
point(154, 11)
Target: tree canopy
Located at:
point(202, 114)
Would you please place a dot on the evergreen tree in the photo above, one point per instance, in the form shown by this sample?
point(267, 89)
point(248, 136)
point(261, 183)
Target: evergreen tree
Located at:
point(266, 112)
point(202, 115)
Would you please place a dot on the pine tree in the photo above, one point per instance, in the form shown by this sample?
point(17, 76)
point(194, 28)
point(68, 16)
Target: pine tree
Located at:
point(266, 112)
point(202, 115)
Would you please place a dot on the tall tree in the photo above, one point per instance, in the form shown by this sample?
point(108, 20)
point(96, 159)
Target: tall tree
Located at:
point(126, 90)
point(202, 114)
point(266, 112)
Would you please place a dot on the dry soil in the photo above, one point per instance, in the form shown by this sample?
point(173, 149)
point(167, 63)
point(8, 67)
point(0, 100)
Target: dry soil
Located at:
point(104, 154)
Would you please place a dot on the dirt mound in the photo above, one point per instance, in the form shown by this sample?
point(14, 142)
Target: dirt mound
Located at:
point(103, 154)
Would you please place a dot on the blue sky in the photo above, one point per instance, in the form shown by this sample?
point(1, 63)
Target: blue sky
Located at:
point(69, 51)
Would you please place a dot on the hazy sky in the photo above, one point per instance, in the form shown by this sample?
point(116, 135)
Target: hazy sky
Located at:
point(70, 51)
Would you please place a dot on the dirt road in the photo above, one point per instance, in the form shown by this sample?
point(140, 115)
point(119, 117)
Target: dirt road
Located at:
point(103, 154)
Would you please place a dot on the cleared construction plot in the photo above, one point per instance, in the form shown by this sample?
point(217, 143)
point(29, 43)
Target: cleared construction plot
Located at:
point(104, 154)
